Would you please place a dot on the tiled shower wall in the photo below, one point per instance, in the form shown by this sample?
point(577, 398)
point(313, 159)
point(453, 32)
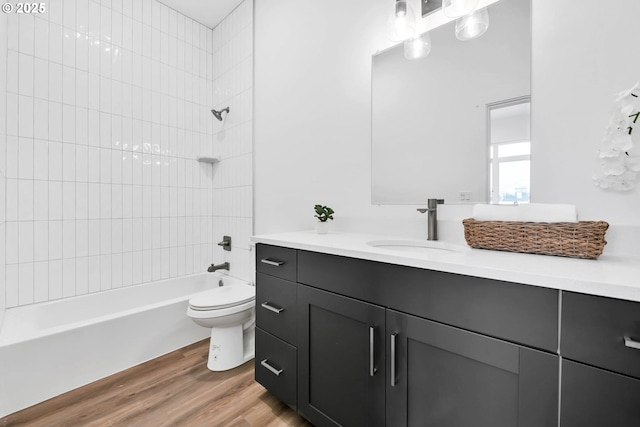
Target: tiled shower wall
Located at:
point(107, 107)
point(233, 139)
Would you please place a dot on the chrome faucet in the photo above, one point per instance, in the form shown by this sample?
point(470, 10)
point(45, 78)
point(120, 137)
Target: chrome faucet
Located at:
point(432, 217)
point(223, 266)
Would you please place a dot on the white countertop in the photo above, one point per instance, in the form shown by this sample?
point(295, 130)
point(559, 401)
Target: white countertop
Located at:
point(610, 276)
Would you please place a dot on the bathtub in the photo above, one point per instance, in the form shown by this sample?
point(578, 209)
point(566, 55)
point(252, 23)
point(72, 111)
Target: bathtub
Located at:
point(49, 348)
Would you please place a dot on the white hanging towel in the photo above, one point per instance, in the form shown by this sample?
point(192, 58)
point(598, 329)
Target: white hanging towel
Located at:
point(529, 212)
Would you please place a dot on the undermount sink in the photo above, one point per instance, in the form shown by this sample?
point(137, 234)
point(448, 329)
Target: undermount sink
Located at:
point(415, 246)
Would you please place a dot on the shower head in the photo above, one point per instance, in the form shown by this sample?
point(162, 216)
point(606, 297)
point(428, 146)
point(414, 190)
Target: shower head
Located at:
point(218, 114)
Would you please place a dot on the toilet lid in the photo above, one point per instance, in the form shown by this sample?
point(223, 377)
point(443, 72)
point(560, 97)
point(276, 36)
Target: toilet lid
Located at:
point(223, 297)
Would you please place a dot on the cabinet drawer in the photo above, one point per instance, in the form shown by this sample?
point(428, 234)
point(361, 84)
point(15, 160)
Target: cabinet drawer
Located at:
point(595, 397)
point(276, 366)
point(276, 261)
point(597, 330)
point(276, 310)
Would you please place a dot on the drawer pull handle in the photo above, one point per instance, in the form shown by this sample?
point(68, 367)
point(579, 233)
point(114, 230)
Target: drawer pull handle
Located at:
point(270, 262)
point(269, 307)
point(393, 359)
point(372, 349)
point(271, 368)
point(628, 342)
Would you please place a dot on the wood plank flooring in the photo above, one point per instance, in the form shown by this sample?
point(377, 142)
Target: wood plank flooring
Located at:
point(176, 389)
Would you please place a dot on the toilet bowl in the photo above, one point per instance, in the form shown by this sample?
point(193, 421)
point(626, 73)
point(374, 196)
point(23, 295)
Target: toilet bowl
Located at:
point(230, 313)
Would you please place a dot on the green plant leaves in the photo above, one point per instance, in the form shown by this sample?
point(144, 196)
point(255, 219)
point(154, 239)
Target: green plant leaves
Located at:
point(323, 213)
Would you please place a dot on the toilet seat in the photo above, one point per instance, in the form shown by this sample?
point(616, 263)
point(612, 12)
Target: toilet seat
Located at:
point(223, 297)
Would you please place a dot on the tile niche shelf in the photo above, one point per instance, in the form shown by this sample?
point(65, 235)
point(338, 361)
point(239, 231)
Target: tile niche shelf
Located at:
point(208, 159)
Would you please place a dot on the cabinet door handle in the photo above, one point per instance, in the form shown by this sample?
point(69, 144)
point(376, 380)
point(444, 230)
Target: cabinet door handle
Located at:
point(628, 342)
point(372, 349)
point(271, 262)
point(271, 368)
point(393, 358)
point(269, 307)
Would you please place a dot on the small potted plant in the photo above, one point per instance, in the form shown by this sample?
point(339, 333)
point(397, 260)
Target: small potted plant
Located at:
point(323, 213)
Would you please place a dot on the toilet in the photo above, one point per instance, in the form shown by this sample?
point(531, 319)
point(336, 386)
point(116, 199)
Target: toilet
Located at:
point(229, 311)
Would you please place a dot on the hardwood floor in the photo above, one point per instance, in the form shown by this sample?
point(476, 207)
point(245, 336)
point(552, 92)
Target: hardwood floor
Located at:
point(176, 389)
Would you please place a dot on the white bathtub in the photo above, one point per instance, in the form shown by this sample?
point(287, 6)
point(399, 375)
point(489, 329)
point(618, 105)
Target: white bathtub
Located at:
point(49, 348)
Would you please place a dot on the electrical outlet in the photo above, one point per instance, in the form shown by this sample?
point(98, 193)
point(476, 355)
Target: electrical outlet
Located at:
point(465, 196)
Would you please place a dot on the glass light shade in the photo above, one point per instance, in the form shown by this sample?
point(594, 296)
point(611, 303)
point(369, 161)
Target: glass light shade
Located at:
point(401, 24)
point(473, 25)
point(418, 47)
point(458, 8)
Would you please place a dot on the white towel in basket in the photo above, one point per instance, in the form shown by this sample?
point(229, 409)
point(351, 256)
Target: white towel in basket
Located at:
point(529, 212)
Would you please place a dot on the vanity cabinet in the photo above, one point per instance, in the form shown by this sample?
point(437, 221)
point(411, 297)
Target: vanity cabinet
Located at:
point(341, 362)
point(445, 376)
point(276, 319)
point(381, 344)
point(601, 367)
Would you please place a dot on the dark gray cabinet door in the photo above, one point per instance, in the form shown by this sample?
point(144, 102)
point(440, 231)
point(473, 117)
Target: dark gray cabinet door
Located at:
point(443, 376)
point(341, 369)
point(593, 397)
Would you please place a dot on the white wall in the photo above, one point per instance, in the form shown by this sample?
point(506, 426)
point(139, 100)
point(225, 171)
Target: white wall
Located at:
point(582, 56)
point(312, 121)
point(107, 107)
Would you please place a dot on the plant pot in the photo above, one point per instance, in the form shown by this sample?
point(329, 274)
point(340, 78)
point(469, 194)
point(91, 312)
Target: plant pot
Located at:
point(322, 227)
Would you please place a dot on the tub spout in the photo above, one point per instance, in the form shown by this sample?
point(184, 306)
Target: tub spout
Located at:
point(223, 266)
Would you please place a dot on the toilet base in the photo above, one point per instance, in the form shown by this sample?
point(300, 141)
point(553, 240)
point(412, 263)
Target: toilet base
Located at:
point(230, 347)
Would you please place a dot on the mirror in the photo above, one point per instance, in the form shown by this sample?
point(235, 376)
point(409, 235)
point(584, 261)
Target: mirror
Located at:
point(430, 116)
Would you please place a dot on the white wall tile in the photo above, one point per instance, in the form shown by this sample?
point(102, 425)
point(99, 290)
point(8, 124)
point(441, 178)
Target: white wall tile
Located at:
point(68, 47)
point(55, 200)
point(25, 286)
point(69, 152)
point(69, 14)
point(12, 239)
point(25, 245)
point(82, 52)
point(68, 239)
point(82, 238)
point(55, 121)
point(25, 116)
point(41, 281)
point(41, 200)
point(82, 16)
point(25, 78)
point(68, 85)
point(27, 32)
point(12, 114)
point(41, 241)
point(25, 200)
point(68, 277)
point(82, 201)
point(55, 42)
point(94, 274)
point(25, 158)
point(41, 119)
point(82, 276)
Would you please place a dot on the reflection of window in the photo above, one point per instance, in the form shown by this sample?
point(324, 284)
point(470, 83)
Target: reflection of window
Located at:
point(510, 151)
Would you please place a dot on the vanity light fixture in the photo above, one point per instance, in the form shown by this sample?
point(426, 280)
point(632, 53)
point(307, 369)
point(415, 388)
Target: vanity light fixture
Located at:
point(458, 8)
point(402, 22)
point(473, 25)
point(417, 47)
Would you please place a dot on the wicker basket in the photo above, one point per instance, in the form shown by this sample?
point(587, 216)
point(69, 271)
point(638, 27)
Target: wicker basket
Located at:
point(584, 239)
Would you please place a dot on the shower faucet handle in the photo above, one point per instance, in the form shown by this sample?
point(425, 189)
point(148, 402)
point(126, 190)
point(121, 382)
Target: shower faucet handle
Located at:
point(226, 243)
